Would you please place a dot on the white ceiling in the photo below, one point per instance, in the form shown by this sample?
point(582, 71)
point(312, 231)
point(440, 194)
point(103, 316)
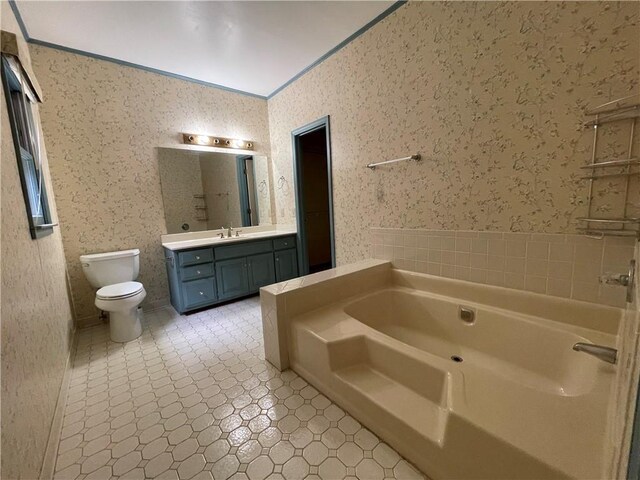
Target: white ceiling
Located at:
point(253, 46)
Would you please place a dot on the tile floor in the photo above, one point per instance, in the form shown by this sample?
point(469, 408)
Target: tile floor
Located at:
point(193, 397)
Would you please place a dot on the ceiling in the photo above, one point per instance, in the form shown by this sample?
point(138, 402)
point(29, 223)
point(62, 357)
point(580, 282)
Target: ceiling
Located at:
point(254, 46)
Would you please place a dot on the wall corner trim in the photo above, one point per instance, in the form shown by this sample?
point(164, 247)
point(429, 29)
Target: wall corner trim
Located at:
point(16, 12)
point(345, 42)
point(340, 46)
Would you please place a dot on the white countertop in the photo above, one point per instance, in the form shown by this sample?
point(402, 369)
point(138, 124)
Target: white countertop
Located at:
point(217, 241)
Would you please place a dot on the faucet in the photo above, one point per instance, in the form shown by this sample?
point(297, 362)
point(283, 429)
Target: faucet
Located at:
point(606, 354)
point(622, 279)
point(229, 230)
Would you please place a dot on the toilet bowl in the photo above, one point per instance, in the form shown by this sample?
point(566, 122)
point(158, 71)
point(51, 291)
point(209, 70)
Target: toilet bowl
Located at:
point(121, 300)
point(113, 274)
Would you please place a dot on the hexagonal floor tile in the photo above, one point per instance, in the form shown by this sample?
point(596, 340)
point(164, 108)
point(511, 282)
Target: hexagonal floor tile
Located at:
point(193, 398)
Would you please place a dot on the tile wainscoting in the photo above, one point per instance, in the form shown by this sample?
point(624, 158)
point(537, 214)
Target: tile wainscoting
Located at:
point(555, 264)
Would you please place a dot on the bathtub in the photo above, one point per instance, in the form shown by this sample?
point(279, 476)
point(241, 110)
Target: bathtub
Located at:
point(503, 395)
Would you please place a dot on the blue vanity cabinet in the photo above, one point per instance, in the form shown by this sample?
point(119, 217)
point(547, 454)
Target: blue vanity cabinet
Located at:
point(286, 264)
point(204, 276)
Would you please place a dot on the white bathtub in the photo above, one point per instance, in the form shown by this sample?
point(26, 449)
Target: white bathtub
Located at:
point(520, 404)
point(502, 343)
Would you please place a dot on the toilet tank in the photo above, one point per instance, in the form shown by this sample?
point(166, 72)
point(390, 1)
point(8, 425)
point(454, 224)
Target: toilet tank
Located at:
point(107, 268)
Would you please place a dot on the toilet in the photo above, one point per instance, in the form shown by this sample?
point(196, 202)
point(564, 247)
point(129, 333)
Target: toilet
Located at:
point(113, 274)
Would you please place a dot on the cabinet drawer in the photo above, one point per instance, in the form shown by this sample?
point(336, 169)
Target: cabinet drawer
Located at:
point(192, 257)
point(198, 292)
point(285, 242)
point(196, 271)
point(243, 249)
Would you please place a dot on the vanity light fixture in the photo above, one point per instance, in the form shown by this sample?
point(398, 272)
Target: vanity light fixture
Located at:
point(209, 141)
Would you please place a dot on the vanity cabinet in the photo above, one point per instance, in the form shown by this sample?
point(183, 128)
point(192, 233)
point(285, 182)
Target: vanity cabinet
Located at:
point(202, 277)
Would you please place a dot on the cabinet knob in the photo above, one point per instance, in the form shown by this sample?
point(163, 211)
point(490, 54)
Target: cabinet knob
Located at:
point(277, 259)
point(198, 272)
point(201, 293)
point(197, 257)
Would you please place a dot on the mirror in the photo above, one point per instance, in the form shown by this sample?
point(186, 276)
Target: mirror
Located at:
point(210, 190)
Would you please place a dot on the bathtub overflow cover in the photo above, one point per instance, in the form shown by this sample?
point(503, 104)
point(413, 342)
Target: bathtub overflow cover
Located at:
point(456, 358)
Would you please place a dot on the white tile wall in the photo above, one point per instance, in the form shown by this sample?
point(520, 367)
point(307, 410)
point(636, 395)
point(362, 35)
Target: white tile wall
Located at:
point(559, 265)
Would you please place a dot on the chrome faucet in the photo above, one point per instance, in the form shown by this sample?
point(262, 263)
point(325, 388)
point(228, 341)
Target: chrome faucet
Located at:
point(622, 279)
point(606, 354)
point(229, 230)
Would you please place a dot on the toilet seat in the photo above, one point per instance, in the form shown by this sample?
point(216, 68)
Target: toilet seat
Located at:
point(119, 291)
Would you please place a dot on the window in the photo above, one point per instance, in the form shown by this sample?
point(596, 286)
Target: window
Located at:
point(26, 139)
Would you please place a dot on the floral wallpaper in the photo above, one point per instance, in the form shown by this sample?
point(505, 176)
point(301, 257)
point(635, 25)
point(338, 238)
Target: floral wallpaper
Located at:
point(37, 322)
point(103, 123)
point(264, 189)
point(491, 94)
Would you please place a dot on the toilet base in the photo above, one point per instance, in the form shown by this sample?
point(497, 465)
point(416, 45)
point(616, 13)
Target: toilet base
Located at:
point(125, 325)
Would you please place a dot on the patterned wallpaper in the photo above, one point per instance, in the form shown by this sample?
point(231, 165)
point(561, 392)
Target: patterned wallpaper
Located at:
point(490, 93)
point(103, 123)
point(264, 189)
point(37, 321)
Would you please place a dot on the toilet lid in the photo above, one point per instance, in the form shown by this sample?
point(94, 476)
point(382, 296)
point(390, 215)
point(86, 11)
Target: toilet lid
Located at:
point(119, 290)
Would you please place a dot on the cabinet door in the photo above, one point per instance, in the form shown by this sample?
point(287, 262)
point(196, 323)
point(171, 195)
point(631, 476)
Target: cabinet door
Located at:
point(231, 277)
point(286, 264)
point(261, 271)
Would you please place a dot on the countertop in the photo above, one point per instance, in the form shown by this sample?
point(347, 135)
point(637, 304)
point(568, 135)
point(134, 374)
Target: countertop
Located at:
point(217, 241)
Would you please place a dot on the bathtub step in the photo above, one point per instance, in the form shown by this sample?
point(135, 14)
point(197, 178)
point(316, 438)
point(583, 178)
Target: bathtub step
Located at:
point(391, 397)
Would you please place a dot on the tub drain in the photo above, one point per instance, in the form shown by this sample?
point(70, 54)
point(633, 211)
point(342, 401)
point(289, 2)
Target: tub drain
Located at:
point(456, 358)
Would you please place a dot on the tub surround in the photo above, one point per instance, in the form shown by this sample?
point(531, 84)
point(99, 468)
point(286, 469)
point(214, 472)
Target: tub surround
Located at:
point(285, 300)
point(623, 406)
point(363, 345)
point(559, 265)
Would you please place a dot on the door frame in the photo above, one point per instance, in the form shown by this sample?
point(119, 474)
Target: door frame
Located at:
point(633, 469)
point(303, 258)
point(243, 188)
